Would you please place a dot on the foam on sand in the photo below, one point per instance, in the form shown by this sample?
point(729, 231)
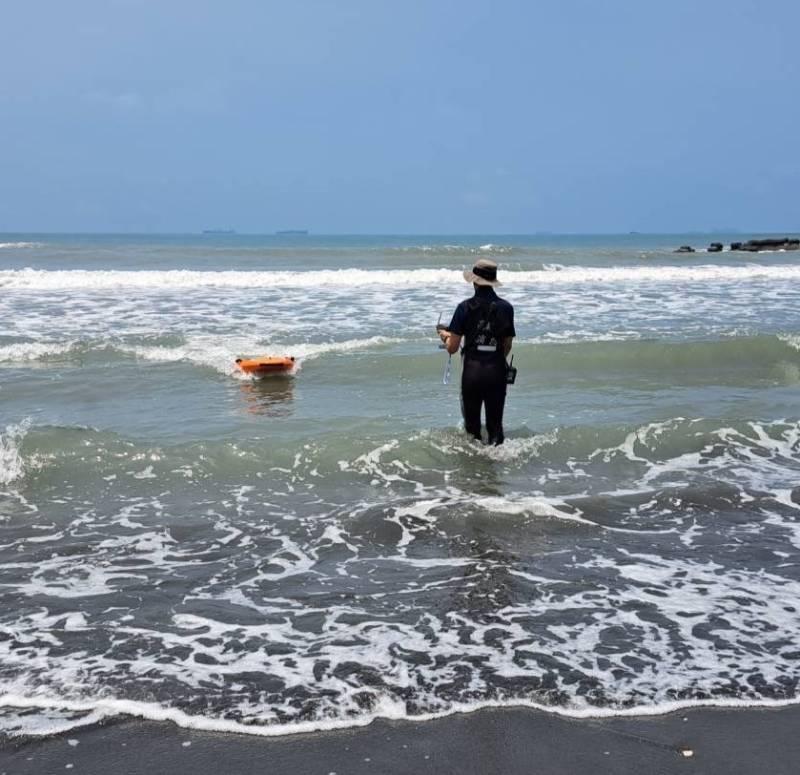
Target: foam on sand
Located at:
point(55, 717)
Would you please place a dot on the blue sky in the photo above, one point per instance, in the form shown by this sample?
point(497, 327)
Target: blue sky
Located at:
point(373, 116)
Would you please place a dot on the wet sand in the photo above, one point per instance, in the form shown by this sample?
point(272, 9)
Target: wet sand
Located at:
point(507, 741)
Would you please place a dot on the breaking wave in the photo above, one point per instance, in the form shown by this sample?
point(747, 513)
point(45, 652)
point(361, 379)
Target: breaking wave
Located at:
point(583, 353)
point(208, 351)
point(12, 466)
point(21, 352)
point(37, 279)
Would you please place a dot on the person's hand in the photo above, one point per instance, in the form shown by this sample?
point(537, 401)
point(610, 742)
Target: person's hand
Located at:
point(443, 335)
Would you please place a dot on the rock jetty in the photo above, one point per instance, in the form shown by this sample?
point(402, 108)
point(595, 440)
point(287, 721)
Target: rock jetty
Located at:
point(751, 246)
point(756, 245)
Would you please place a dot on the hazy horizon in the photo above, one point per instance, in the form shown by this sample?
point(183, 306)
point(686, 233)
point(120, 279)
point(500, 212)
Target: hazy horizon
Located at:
point(312, 234)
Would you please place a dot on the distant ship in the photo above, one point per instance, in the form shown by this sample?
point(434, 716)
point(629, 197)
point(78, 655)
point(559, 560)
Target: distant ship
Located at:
point(292, 232)
point(218, 231)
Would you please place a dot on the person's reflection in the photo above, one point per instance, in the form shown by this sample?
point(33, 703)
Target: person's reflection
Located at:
point(271, 396)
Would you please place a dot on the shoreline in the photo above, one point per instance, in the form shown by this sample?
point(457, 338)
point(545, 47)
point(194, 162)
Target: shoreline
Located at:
point(494, 740)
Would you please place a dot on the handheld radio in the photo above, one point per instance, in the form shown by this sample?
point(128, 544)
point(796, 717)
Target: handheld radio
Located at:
point(511, 372)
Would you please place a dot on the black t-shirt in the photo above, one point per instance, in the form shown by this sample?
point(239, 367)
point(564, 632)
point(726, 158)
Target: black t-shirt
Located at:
point(484, 320)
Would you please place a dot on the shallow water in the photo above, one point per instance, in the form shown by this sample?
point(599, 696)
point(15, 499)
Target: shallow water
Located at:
point(316, 549)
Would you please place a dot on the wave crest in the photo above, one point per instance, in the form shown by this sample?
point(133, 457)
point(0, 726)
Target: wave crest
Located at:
point(22, 352)
point(80, 279)
point(12, 466)
point(203, 351)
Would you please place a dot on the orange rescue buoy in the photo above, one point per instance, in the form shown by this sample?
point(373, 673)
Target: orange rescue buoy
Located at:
point(267, 364)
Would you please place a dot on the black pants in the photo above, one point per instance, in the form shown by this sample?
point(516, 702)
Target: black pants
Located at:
point(483, 383)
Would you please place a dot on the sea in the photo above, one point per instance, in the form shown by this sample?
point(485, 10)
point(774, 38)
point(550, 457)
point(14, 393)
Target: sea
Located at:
point(179, 541)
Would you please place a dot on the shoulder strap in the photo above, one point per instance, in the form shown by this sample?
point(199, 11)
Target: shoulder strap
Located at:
point(480, 324)
point(487, 308)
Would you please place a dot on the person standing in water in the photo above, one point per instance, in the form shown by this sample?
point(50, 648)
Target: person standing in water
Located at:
point(486, 324)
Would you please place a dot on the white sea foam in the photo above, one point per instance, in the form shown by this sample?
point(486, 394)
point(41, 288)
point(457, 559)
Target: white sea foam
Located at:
point(54, 719)
point(793, 340)
point(33, 279)
point(220, 354)
point(574, 336)
point(458, 249)
point(530, 505)
point(11, 245)
point(208, 351)
point(316, 349)
point(12, 466)
point(471, 582)
point(22, 352)
point(565, 304)
point(63, 280)
point(19, 721)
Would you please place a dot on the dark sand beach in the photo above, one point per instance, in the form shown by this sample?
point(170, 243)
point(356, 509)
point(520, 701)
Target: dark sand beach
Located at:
point(509, 741)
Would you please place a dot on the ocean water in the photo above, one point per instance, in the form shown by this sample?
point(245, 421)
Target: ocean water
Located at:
point(180, 542)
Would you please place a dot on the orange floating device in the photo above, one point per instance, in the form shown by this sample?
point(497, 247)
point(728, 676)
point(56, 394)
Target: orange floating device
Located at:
point(267, 364)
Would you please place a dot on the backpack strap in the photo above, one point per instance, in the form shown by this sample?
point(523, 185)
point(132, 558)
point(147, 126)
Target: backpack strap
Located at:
point(480, 310)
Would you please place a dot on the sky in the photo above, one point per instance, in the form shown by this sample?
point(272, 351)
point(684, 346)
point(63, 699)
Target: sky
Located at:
point(390, 116)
